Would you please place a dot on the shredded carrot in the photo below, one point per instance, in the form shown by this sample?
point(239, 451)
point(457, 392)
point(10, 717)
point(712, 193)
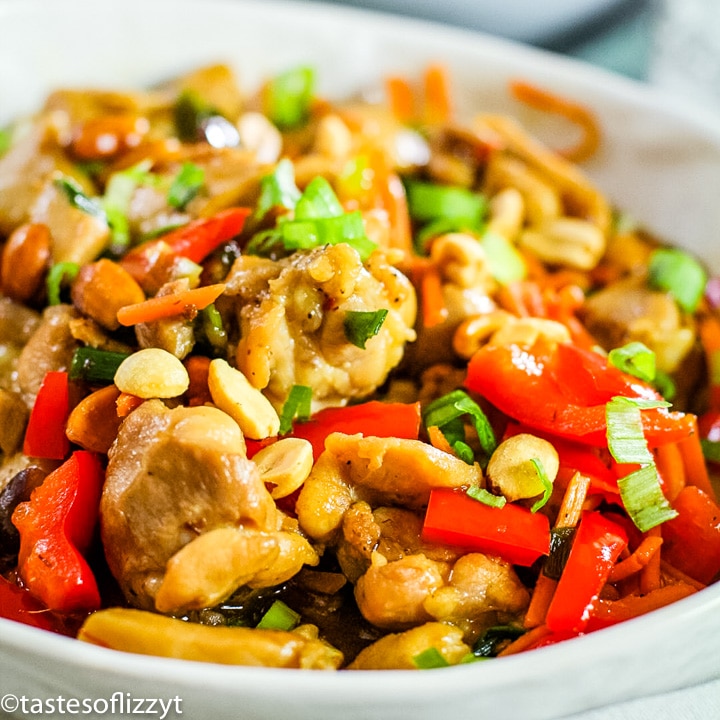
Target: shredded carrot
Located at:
point(709, 331)
point(650, 577)
point(186, 302)
point(672, 575)
point(540, 601)
point(434, 310)
point(438, 440)
point(671, 469)
point(637, 560)
point(630, 606)
point(696, 472)
point(126, 403)
point(400, 98)
point(578, 114)
point(438, 105)
point(526, 641)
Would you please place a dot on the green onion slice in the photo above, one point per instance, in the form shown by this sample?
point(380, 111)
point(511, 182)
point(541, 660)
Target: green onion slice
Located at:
point(279, 617)
point(361, 325)
point(288, 97)
point(546, 483)
point(711, 450)
point(186, 185)
point(505, 261)
point(95, 366)
point(431, 201)
point(494, 638)
point(190, 111)
point(6, 136)
point(298, 405)
point(430, 659)
point(278, 189)
point(485, 496)
point(212, 325)
point(680, 274)
point(626, 439)
point(318, 201)
point(58, 276)
point(636, 359)
point(78, 199)
point(643, 498)
point(446, 413)
point(561, 540)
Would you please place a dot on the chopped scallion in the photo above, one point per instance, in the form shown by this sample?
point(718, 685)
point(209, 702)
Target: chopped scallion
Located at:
point(546, 483)
point(78, 199)
point(59, 275)
point(491, 642)
point(212, 325)
point(278, 189)
point(360, 325)
point(6, 135)
point(711, 450)
point(318, 201)
point(636, 359)
point(190, 111)
point(643, 498)
point(95, 366)
point(446, 412)
point(626, 440)
point(485, 496)
point(680, 274)
point(430, 659)
point(298, 405)
point(186, 185)
point(279, 617)
point(432, 201)
point(288, 97)
point(505, 261)
point(561, 539)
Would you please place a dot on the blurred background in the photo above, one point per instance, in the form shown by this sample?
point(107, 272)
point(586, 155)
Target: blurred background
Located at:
point(674, 44)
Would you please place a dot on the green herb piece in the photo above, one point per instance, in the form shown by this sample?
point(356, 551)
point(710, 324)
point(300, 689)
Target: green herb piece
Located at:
point(432, 201)
point(447, 412)
point(561, 539)
point(279, 617)
point(547, 485)
point(288, 97)
point(491, 642)
point(711, 450)
point(665, 385)
point(60, 274)
point(485, 496)
point(505, 261)
point(680, 274)
point(6, 136)
point(186, 185)
point(212, 325)
point(116, 202)
point(95, 366)
point(361, 325)
point(636, 359)
point(318, 202)
point(626, 439)
point(298, 405)
point(278, 189)
point(78, 199)
point(438, 227)
point(190, 111)
point(430, 659)
point(644, 500)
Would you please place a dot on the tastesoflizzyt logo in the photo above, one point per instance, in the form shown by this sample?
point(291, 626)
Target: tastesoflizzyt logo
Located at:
point(119, 703)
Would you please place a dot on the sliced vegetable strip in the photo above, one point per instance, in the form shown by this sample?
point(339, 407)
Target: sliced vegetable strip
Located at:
point(186, 303)
point(45, 434)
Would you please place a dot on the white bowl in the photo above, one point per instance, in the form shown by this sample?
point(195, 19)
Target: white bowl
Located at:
point(657, 161)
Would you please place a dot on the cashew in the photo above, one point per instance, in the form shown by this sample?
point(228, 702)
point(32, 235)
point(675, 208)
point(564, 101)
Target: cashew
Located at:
point(460, 258)
point(232, 392)
point(526, 331)
point(333, 137)
point(566, 241)
point(152, 373)
point(512, 472)
point(285, 465)
point(259, 135)
point(507, 212)
point(476, 330)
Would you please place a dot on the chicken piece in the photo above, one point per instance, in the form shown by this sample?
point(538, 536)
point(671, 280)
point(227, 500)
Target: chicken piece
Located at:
point(478, 585)
point(50, 347)
point(291, 315)
point(17, 325)
point(381, 471)
point(173, 475)
point(392, 595)
point(398, 651)
point(629, 311)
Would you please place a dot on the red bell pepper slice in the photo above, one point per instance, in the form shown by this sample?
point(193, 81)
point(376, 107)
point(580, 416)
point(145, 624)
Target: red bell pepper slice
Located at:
point(564, 391)
point(45, 434)
point(511, 532)
point(400, 420)
point(18, 604)
point(56, 526)
point(597, 545)
point(691, 541)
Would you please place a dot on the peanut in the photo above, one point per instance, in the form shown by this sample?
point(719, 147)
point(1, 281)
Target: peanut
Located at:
point(25, 259)
point(285, 465)
point(152, 373)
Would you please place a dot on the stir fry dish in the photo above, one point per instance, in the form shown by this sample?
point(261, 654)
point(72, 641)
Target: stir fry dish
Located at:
point(356, 384)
